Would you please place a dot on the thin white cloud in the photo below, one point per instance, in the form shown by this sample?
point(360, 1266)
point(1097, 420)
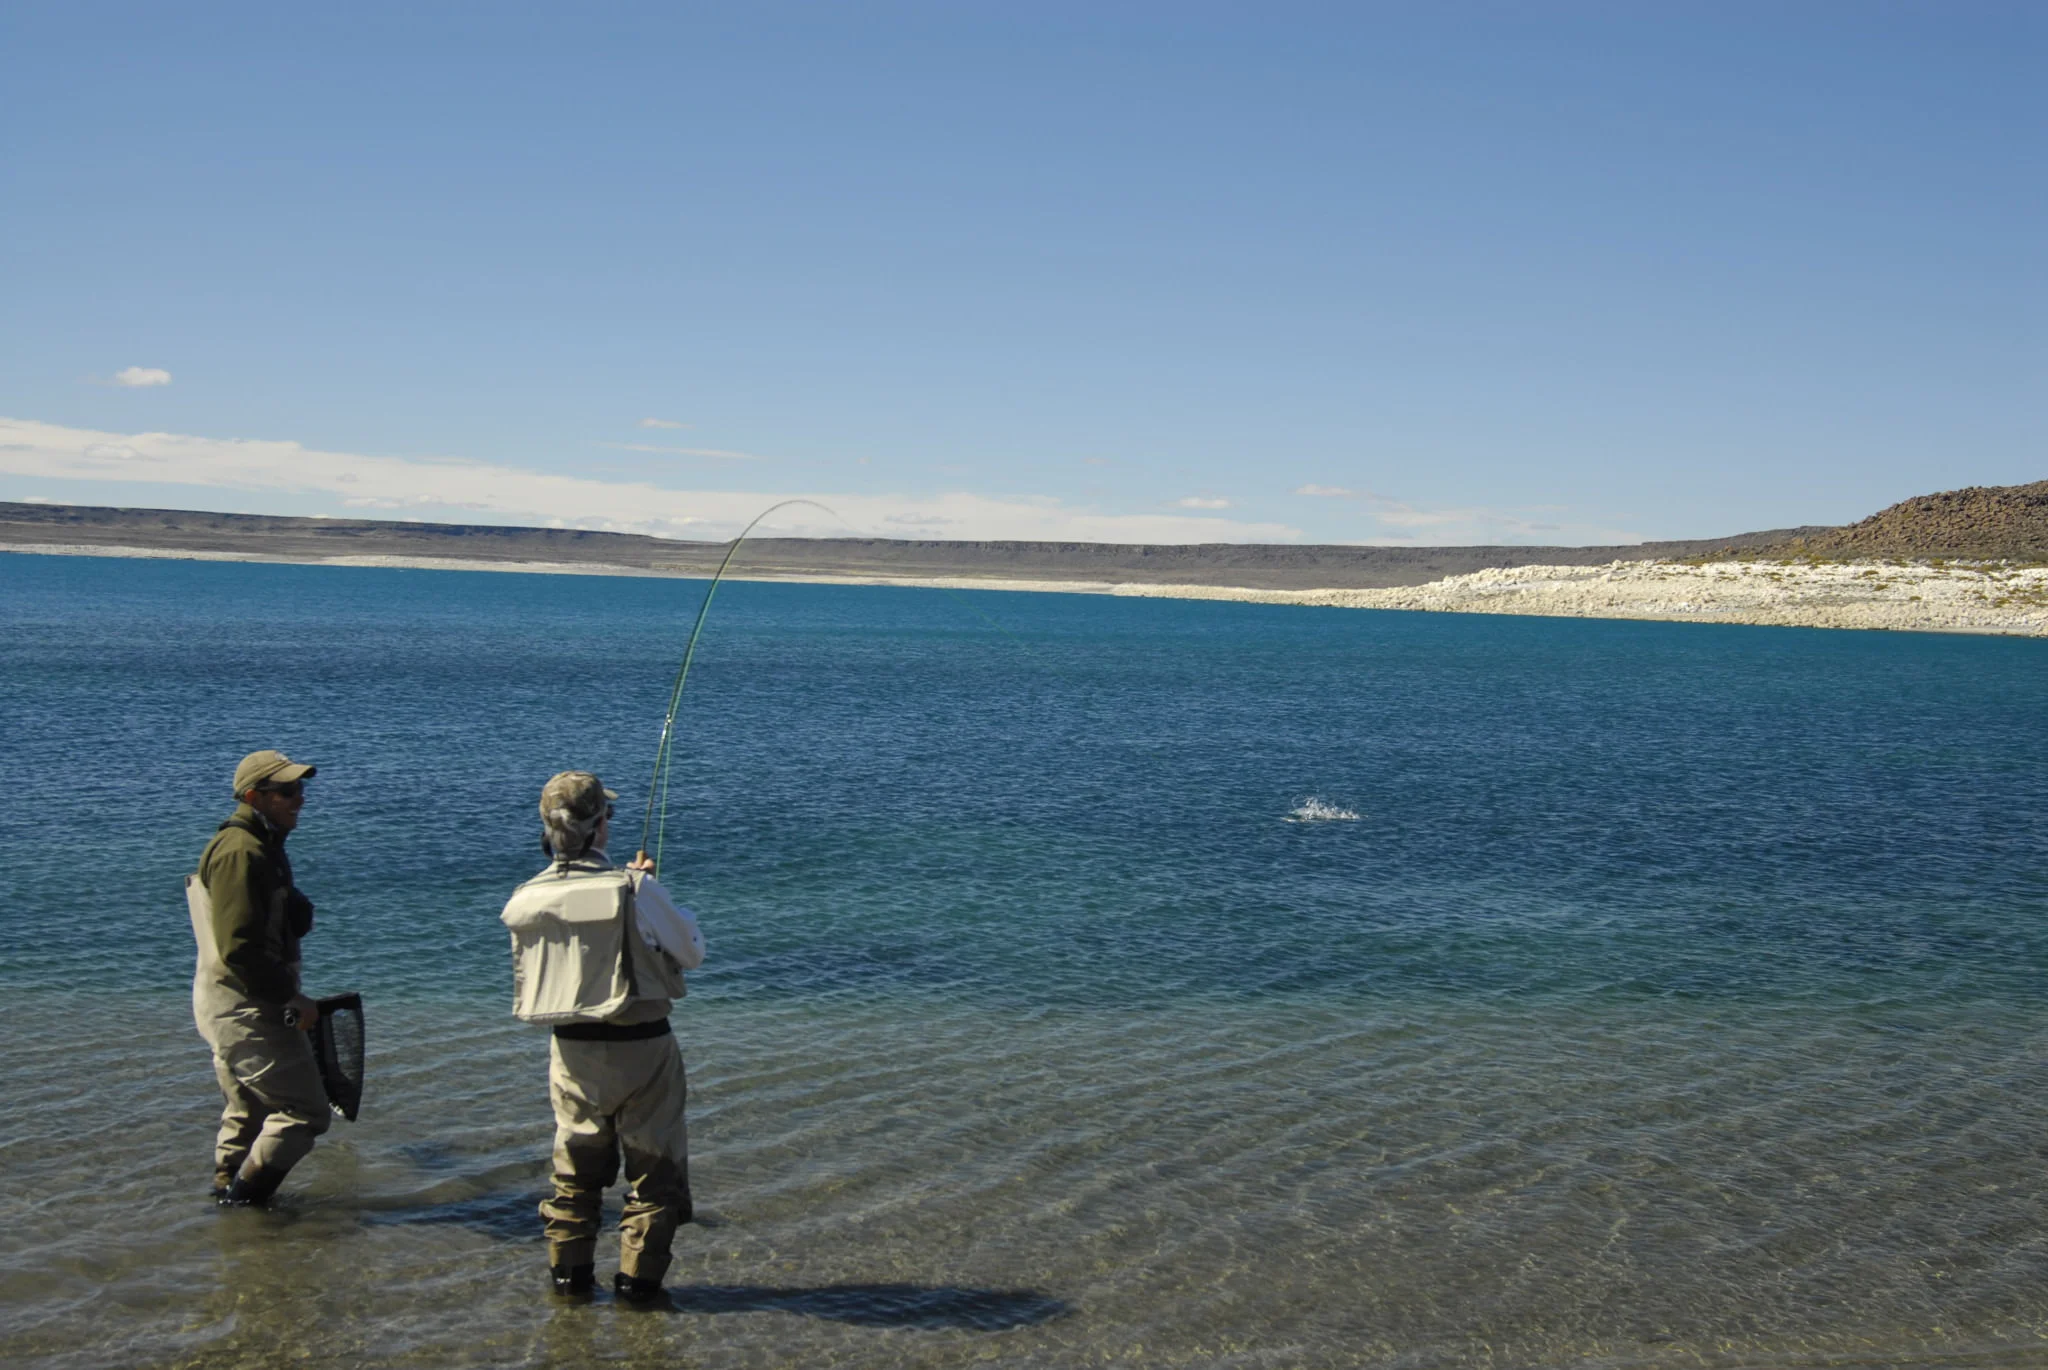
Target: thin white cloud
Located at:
point(1200, 502)
point(714, 453)
point(141, 376)
point(662, 423)
point(1343, 492)
point(485, 492)
point(1402, 516)
point(1397, 522)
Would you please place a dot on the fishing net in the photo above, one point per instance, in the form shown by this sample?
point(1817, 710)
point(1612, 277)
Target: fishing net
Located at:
point(338, 1045)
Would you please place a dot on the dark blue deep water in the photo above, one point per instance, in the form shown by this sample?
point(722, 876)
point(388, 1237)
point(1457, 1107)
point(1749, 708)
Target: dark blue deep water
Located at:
point(1670, 992)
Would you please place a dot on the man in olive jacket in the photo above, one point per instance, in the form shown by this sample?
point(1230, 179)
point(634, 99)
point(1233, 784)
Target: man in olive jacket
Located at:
point(245, 990)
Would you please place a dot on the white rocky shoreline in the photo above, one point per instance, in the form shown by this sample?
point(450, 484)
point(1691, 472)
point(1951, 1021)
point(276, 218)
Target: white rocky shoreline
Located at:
point(1898, 596)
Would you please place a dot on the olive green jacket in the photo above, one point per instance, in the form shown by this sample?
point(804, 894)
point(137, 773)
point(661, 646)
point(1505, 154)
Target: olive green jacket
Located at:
point(258, 914)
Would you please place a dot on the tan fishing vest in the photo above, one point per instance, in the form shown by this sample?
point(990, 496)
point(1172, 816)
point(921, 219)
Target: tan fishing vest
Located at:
point(577, 953)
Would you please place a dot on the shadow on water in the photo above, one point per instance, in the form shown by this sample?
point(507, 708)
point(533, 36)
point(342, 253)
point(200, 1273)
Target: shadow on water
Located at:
point(933, 1307)
point(510, 1217)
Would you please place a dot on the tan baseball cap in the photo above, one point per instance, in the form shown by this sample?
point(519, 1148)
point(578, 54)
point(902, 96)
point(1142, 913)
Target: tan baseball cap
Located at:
point(574, 799)
point(269, 768)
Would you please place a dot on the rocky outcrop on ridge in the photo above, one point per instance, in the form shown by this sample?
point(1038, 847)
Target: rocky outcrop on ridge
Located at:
point(1979, 523)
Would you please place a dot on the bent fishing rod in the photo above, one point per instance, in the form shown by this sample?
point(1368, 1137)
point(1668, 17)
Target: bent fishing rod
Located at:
point(657, 784)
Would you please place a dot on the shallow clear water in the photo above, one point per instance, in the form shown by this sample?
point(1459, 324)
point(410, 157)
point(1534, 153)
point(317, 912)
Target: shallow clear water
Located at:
point(1673, 995)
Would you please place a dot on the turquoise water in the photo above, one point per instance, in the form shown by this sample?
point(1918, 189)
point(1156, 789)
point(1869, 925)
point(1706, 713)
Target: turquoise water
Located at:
point(1674, 996)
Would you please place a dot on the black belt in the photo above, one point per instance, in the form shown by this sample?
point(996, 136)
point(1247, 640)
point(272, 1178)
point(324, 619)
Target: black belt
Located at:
point(612, 1032)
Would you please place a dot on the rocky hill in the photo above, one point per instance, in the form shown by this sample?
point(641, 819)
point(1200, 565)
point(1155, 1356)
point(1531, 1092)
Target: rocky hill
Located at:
point(1982, 522)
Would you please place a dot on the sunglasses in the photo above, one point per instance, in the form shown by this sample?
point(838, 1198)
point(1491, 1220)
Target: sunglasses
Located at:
point(291, 789)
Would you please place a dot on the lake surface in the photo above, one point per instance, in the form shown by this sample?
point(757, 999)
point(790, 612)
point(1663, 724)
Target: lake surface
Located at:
point(1673, 995)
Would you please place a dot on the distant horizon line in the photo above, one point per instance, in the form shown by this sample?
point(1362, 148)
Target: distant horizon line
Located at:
point(345, 519)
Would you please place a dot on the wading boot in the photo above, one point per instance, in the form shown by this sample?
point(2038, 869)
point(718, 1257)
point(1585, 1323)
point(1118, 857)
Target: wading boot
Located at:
point(633, 1289)
point(573, 1281)
point(251, 1191)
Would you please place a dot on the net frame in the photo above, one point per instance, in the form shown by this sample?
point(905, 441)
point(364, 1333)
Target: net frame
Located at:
point(339, 1051)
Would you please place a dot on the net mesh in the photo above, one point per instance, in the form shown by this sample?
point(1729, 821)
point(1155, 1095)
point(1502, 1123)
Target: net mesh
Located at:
point(338, 1043)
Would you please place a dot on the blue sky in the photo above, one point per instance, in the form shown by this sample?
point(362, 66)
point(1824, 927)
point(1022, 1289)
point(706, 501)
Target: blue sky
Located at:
point(1566, 273)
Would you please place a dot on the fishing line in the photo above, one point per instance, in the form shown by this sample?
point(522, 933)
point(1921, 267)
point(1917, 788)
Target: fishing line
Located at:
point(657, 785)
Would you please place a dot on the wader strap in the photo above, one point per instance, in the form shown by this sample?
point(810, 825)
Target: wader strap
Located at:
point(611, 1032)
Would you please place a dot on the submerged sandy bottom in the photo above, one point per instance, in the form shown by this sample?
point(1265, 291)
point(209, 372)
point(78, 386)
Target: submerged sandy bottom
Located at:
point(1403, 1184)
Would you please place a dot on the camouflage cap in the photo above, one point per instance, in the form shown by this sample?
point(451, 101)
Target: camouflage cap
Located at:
point(269, 768)
point(574, 800)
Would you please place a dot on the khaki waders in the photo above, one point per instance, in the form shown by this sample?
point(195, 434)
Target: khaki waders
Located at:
point(614, 1097)
point(276, 1105)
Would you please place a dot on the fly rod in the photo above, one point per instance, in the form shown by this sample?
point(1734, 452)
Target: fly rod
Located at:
point(657, 784)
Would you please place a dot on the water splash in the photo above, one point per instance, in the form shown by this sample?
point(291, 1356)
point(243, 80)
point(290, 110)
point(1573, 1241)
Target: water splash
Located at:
point(1313, 810)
